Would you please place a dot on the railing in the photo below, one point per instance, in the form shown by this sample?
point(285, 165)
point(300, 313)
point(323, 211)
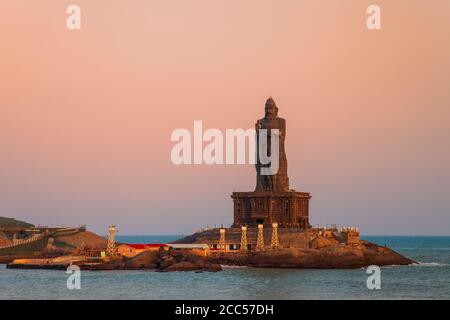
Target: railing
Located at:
point(19, 242)
point(59, 232)
point(66, 231)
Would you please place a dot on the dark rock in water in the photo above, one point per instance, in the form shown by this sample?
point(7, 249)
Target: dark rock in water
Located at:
point(178, 256)
point(166, 261)
point(196, 259)
point(184, 266)
point(145, 260)
point(213, 268)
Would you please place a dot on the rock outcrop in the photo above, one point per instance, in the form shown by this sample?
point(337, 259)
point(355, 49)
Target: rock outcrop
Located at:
point(163, 261)
point(328, 257)
point(300, 249)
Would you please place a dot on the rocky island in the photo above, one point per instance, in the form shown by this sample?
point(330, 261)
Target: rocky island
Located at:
point(271, 228)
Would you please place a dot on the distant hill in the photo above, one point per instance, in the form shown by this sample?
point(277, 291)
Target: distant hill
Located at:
point(13, 223)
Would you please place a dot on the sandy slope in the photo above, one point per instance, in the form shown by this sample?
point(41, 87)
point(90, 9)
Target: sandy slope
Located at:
point(80, 239)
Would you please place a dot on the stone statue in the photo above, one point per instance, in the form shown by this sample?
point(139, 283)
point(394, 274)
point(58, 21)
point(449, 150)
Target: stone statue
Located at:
point(272, 201)
point(280, 180)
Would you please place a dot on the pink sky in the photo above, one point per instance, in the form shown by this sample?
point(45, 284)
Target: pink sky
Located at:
point(86, 116)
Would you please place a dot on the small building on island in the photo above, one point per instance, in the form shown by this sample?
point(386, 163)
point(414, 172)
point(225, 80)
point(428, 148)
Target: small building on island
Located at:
point(349, 235)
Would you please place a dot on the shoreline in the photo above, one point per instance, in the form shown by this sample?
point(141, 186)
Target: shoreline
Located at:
point(334, 257)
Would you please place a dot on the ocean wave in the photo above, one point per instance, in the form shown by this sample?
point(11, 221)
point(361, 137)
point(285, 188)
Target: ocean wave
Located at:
point(224, 266)
point(422, 248)
point(428, 264)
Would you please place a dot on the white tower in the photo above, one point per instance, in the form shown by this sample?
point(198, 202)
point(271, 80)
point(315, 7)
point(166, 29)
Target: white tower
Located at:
point(111, 245)
point(222, 239)
point(244, 238)
point(260, 239)
point(274, 244)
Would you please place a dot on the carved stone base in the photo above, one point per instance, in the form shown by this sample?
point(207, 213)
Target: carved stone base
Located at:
point(288, 209)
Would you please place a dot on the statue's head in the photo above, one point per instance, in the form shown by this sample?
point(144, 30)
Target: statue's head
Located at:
point(271, 108)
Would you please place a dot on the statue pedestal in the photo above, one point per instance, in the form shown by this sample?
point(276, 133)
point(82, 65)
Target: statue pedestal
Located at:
point(287, 208)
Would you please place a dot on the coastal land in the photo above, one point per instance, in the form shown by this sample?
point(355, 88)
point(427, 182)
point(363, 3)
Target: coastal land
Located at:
point(79, 247)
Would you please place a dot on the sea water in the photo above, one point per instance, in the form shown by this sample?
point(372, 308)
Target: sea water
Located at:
point(429, 279)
